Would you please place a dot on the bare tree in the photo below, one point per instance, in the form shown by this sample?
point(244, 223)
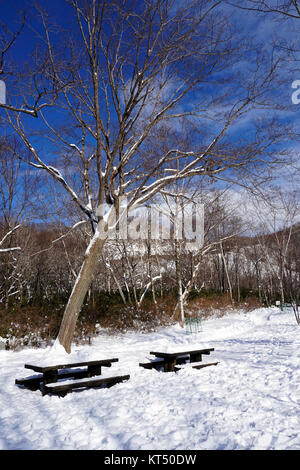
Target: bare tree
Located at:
point(126, 70)
point(14, 211)
point(275, 227)
point(220, 226)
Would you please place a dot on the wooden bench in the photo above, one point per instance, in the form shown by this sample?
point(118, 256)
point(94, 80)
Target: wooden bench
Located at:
point(160, 363)
point(62, 388)
point(80, 372)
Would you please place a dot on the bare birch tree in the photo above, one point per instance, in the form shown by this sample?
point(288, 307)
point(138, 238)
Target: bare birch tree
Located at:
point(101, 92)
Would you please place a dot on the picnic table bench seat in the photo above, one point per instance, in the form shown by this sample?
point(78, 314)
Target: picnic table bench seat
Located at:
point(33, 382)
point(156, 364)
point(62, 388)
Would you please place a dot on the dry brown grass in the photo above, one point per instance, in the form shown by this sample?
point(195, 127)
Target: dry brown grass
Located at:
point(219, 306)
point(35, 326)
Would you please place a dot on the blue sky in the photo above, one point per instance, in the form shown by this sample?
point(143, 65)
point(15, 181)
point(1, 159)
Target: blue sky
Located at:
point(11, 12)
point(263, 29)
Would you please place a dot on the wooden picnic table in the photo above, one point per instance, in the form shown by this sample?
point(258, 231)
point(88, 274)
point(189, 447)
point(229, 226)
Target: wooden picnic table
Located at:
point(171, 358)
point(51, 374)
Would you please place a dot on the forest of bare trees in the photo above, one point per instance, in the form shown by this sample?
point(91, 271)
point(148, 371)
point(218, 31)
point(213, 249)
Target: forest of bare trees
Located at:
point(240, 259)
point(48, 257)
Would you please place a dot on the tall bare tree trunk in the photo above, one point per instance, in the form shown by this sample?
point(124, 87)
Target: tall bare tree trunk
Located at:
point(226, 272)
point(179, 309)
point(79, 291)
point(150, 268)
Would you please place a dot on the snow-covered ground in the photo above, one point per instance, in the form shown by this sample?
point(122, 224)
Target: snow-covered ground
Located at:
point(250, 400)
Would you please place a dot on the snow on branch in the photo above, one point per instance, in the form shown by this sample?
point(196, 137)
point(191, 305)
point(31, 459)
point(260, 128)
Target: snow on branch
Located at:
point(7, 250)
point(147, 287)
point(10, 232)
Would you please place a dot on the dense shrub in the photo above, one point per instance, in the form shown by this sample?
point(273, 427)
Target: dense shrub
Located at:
point(38, 325)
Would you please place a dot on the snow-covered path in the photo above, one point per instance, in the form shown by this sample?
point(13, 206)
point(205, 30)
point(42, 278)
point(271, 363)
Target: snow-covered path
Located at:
point(250, 400)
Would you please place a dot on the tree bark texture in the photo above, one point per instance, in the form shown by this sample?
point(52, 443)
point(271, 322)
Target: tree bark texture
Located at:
point(83, 281)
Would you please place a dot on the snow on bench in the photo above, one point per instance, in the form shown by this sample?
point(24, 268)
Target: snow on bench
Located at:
point(194, 365)
point(63, 387)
